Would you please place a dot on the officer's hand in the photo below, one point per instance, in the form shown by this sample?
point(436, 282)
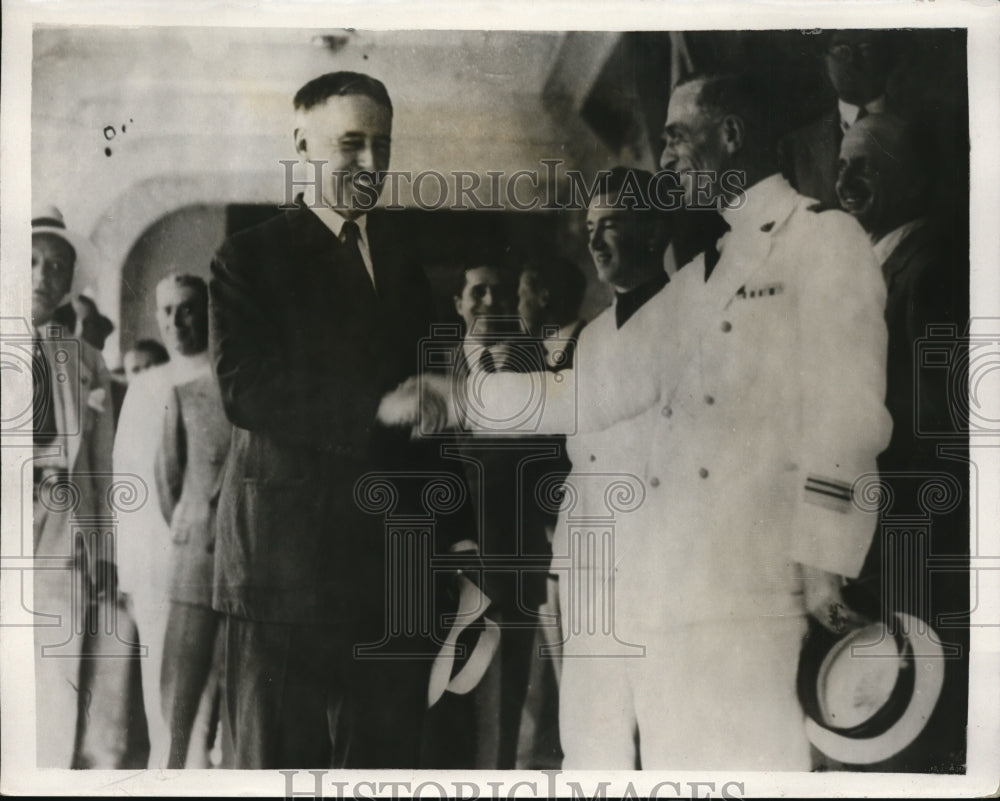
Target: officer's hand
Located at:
point(824, 601)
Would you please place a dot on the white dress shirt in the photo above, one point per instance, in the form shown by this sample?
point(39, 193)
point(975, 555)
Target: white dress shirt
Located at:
point(888, 243)
point(849, 112)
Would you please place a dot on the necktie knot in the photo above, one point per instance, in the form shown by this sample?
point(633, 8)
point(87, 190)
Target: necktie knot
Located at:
point(350, 234)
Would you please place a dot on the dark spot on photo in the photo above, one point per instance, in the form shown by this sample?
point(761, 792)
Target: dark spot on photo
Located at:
point(109, 132)
point(107, 151)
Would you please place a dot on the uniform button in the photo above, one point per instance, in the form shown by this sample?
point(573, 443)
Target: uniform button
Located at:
point(727, 326)
point(709, 400)
point(666, 411)
point(703, 472)
point(654, 482)
point(593, 458)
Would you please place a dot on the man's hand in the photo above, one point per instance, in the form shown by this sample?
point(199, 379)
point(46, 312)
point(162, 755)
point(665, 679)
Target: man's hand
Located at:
point(420, 403)
point(824, 601)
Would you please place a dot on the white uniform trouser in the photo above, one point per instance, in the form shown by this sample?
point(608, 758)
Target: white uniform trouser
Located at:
point(706, 696)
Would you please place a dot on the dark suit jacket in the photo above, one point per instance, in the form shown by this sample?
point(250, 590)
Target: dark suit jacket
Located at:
point(303, 359)
point(503, 474)
point(927, 278)
point(195, 442)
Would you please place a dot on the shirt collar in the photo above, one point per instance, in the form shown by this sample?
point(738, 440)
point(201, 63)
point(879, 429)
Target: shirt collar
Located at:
point(628, 303)
point(765, 203)
point(849, 112)
point(335, 222)
point(888, 243)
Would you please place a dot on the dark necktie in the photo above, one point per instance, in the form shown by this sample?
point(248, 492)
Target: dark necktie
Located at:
point(712, 254)
point(862, 113)
point(486, 361)
point(355, 273)
point(43, 401)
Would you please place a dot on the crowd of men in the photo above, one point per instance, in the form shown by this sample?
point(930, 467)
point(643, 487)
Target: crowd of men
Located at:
point(295, 576)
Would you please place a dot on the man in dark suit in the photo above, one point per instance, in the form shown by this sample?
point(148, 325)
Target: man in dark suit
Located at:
point(315, 315)
point(882, 182)
point(858, 64)
point(501, 473)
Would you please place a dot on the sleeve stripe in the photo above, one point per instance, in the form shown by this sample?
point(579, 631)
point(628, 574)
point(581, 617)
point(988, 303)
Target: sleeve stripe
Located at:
point(840, 496)
point(836, 485)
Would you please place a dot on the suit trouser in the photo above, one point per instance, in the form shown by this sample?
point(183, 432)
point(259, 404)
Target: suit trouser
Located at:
point(706, 696)
point(192, 662)
point(501, 695)
point(60, 607)
point(296, 697)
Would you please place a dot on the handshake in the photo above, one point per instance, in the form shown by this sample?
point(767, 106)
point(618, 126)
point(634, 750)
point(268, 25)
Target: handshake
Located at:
point(423, 403)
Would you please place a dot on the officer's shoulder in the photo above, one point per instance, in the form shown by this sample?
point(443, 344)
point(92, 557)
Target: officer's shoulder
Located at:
point(829, 217)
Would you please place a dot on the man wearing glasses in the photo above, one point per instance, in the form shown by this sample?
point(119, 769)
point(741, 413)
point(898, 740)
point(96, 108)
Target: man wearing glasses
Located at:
point(858, 64)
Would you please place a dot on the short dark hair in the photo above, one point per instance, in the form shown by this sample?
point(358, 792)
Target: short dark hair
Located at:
point(635, 180)
point(157, 353)
point(566, 284)
point(507, 279)
point(739, 94)
point(190, 281)
point(341, 84)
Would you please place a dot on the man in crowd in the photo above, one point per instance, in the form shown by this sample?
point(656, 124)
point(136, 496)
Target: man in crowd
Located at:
point(510, 529)
point(195, 440)
point(72, 456)
point(549, 297)
point(882, 183)
point(145, 543)
point(315, 315)
point(858, 64)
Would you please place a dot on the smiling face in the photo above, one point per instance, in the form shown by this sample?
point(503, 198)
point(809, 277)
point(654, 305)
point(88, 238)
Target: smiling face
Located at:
point(353, 135)
point(694, 141)
point(618, 244)
point(52, 263)
point(876, 181)
point(484, 294)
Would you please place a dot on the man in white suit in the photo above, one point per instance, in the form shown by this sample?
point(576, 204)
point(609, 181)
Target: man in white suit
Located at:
point(145, 546)
point(749, 403)
point(72, 474)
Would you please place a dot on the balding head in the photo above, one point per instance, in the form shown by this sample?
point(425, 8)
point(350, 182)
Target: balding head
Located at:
point(881, 179)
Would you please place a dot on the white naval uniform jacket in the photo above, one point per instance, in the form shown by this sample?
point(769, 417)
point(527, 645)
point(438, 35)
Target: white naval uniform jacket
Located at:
point(748, 406)
point(767, 410)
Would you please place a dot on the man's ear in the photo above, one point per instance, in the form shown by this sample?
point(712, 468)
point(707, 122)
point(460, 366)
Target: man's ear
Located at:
point(733, 133)
point(301, 146)
point(458, 304)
